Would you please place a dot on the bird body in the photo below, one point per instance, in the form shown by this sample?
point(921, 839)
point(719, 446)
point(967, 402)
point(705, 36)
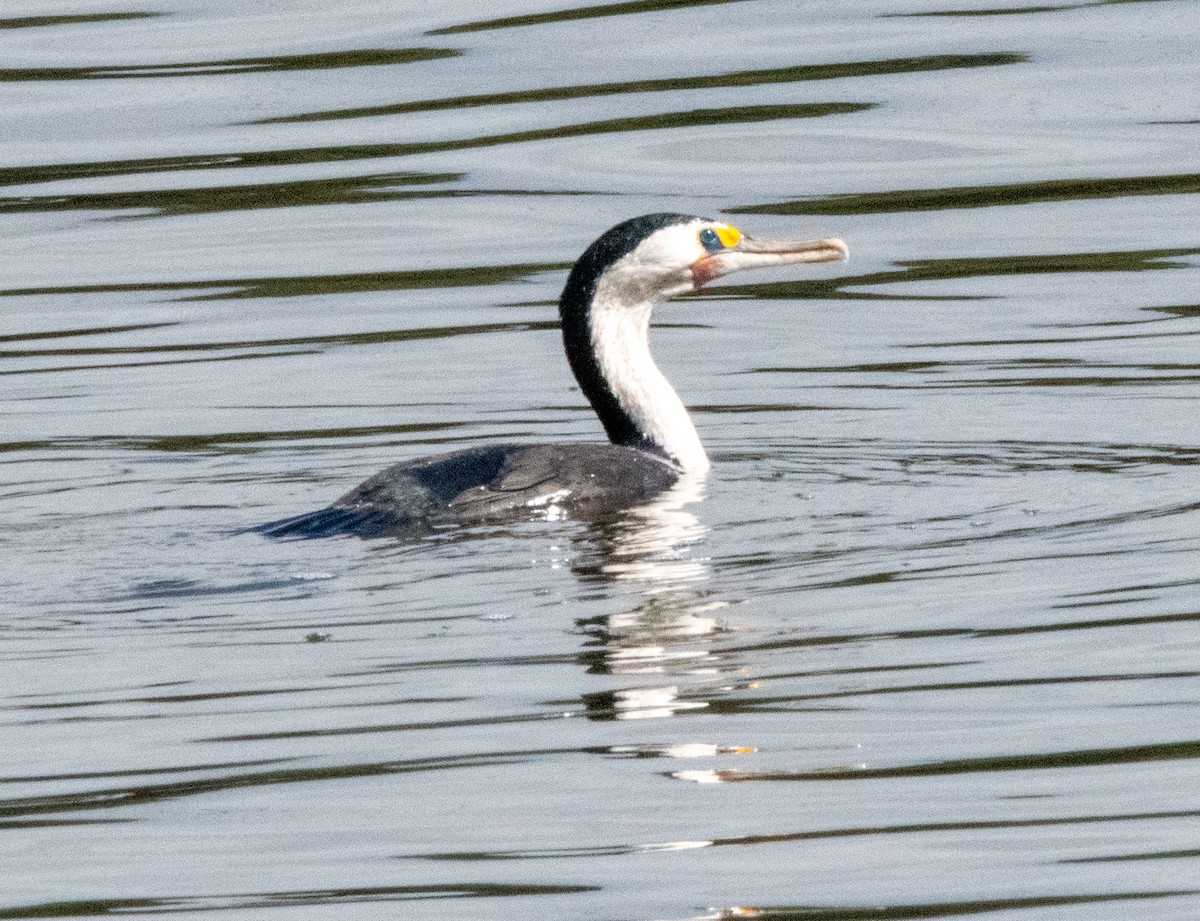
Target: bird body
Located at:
point(605, 312)
point(489, 484)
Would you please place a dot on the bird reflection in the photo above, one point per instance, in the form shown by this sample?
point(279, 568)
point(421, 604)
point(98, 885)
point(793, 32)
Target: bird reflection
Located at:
point(651, 557)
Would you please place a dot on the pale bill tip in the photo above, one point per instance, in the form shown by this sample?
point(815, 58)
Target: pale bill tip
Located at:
point(839, 246)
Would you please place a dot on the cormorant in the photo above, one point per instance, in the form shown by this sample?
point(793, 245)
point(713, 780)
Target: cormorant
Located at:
point(605, 312)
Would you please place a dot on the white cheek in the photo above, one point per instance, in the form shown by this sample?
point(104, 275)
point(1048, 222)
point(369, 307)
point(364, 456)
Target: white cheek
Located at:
point(662, 265)
point(677, 246)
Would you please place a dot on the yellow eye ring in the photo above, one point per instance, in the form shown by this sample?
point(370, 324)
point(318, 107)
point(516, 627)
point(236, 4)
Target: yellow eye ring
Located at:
point(729, 235)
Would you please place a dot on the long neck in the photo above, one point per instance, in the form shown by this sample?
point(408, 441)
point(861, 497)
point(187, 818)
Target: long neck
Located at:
point(608, 347)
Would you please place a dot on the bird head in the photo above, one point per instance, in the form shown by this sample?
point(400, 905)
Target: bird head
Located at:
point(658, 255)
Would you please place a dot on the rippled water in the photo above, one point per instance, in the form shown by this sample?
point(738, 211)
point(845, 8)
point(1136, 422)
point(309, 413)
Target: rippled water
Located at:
point(923, 646)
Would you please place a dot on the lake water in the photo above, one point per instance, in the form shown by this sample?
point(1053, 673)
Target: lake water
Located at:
point(925, 643)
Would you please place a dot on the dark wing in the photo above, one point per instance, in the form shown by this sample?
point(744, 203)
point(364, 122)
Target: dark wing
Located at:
point(586, 480)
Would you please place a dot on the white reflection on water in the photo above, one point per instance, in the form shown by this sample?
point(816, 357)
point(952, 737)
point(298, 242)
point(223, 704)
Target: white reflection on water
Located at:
point(654, 550)
point(649, 703)
point(705, 775)
point(652, 545)
point(681, 750)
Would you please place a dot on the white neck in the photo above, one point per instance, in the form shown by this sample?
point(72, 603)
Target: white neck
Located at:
point(621, 344)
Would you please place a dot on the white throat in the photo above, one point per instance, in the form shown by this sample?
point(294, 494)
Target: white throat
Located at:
point(620, 341)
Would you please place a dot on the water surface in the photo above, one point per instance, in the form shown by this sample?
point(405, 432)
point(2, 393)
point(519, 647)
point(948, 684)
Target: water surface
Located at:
point(922, 646)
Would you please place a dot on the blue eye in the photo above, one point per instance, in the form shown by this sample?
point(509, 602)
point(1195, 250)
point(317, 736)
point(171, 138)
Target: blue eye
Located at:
point(710, 241)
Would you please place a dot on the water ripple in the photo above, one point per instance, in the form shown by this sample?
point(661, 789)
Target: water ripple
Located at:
point(1039, 761)
point(297, 286)
point(571, 14)
point(330, 60)
point(733, 79)
point(71, 19)
point(1012, 10)
point(122, 797)
point(983, 196)
point(913, 912)
point(304, 898)
point(824, 834)
point(705, 118)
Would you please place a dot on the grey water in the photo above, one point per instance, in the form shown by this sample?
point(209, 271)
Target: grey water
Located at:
point(924, 644)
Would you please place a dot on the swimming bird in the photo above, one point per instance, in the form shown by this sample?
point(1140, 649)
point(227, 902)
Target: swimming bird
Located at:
point(605, 316)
